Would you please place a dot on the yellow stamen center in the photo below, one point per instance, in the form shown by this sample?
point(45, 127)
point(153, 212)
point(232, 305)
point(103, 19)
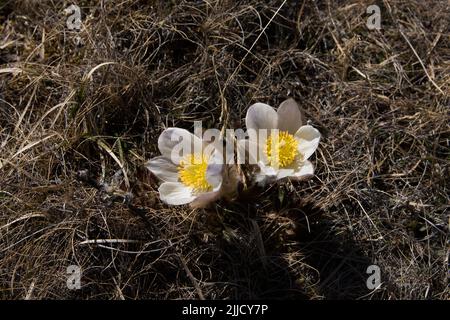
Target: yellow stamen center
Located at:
point(192, 170)
point(281, 149)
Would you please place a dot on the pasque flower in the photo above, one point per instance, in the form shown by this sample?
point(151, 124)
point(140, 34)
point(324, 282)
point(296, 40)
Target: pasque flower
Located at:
point(193, 177)
point(284, 145)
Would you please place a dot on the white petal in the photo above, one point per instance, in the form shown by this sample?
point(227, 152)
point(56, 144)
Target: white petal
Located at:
point(175, 193)
point(299, 170)
point(163, 168)
point(289, 116)
point(267, 170)
point(261, 116)
point(305, 171)
point(174, 143)
point(289, 171)
point(283, 173)
point(308, 139)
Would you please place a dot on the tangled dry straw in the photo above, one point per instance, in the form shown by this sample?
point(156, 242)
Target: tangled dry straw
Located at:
point(80, 113)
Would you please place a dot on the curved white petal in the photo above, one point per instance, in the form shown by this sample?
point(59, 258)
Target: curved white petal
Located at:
point(299, 170)
point(267, 170)
point(175, 193)
point(305, 171)
point(261, 116)
point(163, 168)
point(308, 139)
point(289, 116)
point(174, 143)
point(283, 173)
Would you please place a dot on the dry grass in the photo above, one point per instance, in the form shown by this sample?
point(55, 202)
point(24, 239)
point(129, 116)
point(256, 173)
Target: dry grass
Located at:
point(71, 116)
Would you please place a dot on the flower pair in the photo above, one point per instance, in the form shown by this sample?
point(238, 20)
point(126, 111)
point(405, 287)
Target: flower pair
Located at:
point(281, 148)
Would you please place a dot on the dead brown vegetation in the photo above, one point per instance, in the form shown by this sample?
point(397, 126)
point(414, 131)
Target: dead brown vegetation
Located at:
point(76, 107)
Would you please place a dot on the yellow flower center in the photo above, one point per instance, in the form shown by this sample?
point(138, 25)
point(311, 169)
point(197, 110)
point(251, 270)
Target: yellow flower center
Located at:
point(192, 170)
point(281, 149)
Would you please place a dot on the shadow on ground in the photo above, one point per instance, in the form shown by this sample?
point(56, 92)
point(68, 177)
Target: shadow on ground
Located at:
point(301, 256)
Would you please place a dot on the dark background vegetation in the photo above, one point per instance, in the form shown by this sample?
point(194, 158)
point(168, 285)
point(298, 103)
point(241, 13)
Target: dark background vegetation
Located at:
point(69, 122)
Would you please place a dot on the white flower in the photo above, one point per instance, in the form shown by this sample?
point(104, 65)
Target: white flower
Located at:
point(195, 177)
point(285, 145)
